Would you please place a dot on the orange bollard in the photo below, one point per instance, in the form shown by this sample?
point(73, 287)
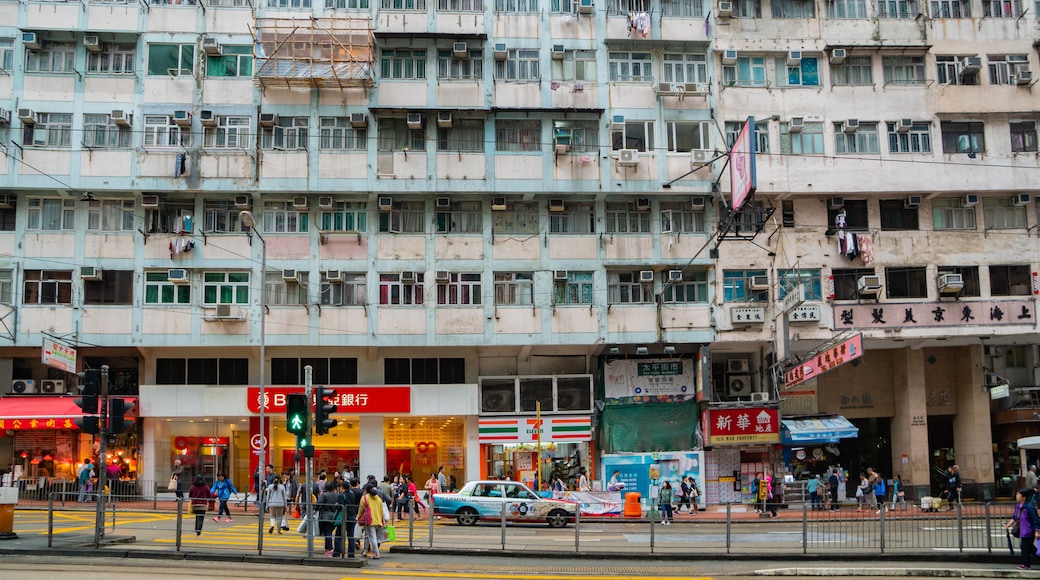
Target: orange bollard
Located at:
point(632, 507)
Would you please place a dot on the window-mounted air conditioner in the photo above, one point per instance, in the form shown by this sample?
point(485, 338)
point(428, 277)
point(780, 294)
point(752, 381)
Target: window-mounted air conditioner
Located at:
point(628, 157)
point(737, 365)
point(385, 202)
point(836, 202)
point(904, 125)
point(31, 40)
point(52, 387)
point(223, 311)
point(697, 202)
point(27, 116)
point(444, 120)
point(268, 119)
point(91, 273)
point(868, 286)
point(971, 64)
point(211, 45)
point(646, 276)
point(92, 43)
point(950, 283)
point(1022, 77)
point(501, 52)
point(729, 57)
point(408, 277)
point(242, 202)
point(443, 276)
point(562, 141)
point(498, 204)
point(970, 200)
point(1020, 199)
point(326, 202)
point(643, 204)
point(584, 6)
point(5, 117)
point(759, 283)
point(334, 276)
point(443, 203)
point(557, 204)
point(759, 397)
point(617, 121)
point(838, 56)
point(182, 118)
point(850, 126)
point(666, 89)
point(796, 124)
point(725, 10)
point(291, 275)
point(560, 275)
point(414, 120)
point(121, 118)
point(794, 58)
point(459, 50)
point(358, 120)
point(207, 118)
point(150, 201)
point(299, 202)
point(695, 88)
point(912, 202)
point(558, 52)
point(675, 276)
point(177, 276)
point(738, 385)
point(23, 386)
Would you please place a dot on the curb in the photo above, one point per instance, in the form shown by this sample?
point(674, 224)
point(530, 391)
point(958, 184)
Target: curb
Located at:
point(913, 572)
point(190, 556)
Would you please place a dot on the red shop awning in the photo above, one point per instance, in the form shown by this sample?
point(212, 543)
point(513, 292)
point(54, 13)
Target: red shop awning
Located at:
point(31, 413)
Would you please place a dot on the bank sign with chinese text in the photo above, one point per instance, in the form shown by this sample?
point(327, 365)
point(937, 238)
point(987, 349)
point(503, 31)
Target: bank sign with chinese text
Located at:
point(924, 314)
point(839, 354)
point(350, 399)
point(743, 426)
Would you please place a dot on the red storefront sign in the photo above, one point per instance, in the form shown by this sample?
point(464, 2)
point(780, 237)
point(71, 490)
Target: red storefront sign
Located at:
point(33, 424)
point(350, 399)
point(839, 354)
point(745, 425)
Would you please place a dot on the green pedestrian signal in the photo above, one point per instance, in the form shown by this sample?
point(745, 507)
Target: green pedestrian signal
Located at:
point(297, 414)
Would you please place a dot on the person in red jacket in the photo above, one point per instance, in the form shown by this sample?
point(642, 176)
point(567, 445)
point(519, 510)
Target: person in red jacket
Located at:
point(200, 496)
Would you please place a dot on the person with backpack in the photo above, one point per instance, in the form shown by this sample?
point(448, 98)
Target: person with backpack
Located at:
point(85, 476)
point(880, 489)
point(223, 488)
point(683, 493)
point(754, 488)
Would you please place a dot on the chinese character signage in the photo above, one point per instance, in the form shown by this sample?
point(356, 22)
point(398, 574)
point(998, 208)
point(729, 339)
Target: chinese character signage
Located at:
point(925, 314)
point(744, 315)
point(350, 399)
point(59, 356)
point(649, 380)
point(805, 313)
point(824, 361)
point(745, 425)
point(9, 424)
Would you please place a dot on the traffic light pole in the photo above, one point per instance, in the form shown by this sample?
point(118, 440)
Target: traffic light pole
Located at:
point(307, 371)
point(99, 521)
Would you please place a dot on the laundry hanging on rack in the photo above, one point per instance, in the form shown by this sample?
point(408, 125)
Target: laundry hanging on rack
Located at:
point(866, 249)
point(638, 22)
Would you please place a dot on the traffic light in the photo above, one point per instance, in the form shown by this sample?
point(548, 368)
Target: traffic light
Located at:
point(90, 388)
point(88, 424)
point(323, 409)
point(117, 421)
point(297, 414)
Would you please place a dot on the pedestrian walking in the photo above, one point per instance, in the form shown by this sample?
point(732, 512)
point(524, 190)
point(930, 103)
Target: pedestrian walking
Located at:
point(413, 493)
point(766, 493)
point(85, 476)
point(683, 493)
point(1030, 478)
point(695, 493)
point(178, 475)
point(442, 480)
point(755, 488)
point(953, 486)
point(898, 495)
point(223, 488)
point(833, 484)
point(350, 499)
point(200, 495)
point(813, 487)
point(276, 497)
point(328, 507)
point(861, 491)
point(1025, 525)
point(370, 514)
point(879, 491)
point(665, 499)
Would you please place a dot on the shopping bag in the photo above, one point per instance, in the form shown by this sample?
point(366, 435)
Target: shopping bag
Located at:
point(391, 534)
point(296, 512)
point(172, 486)
point(302, 528)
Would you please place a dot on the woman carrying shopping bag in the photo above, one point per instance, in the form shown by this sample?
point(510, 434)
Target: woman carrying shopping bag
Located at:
point(370, 515)
point(276, 496)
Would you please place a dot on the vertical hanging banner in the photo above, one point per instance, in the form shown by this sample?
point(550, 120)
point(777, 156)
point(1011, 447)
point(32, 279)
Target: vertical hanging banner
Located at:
point(743, 179)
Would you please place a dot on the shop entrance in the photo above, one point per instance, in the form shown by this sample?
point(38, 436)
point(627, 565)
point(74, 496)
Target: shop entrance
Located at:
point(940, 447)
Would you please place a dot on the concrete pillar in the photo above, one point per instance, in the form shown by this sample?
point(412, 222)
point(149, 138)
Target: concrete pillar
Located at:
point(473, 457)
point(910, 421)
point(972, 435)
point(371, 448)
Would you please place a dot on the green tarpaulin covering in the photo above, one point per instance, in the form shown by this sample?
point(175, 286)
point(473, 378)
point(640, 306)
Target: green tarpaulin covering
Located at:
point(648, 427)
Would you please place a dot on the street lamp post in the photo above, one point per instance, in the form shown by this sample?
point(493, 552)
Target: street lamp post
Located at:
point(248, 221)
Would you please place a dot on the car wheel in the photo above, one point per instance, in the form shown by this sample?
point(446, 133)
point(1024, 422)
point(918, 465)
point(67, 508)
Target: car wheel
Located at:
point(466, 516)
point(557, 518)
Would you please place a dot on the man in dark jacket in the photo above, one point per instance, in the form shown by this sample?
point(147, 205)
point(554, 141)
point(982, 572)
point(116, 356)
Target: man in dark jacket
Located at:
point(350, 499)
point(953, 486)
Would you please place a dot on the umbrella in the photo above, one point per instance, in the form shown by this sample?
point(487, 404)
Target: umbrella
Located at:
point(1011, 545)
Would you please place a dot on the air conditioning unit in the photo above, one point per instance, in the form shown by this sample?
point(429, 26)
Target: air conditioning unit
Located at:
point(573, 397)
point(501, 52)
point(697, 202)
point(643, 204)
point(211, 45)
point(52, 387)
point(242, 202)
point(912, 202)
point(646, 276)
point(838, 56)
point(698, 156)
point(850, 126)
point(558, 52)
point(904, 125)
point(695, 88)
point(1020, 200)
point(92, 43)
point(177, 276)
point(443, 203)
point(675, 276)
point(334, 276)
point(951, 283)
point(92, 273)
point(207, 118)
point(759, 397)
point(729, 57)
point(385, 202)
point(299, 202)
point(971, 64)
point(725, 10)
point(414, 120)
point(737, 365)
point(498, 204)
point(31, 41)
point(150, 201)
point(738, 385)
point(443, 277)
point(557, 204)
point(358, 120)
point(562, 141)
point(325, 202)
point(291, 275)
point(182, 118)
point(560, 275)
point(585, 6)
point(666, 89)
point(836, 202)
point(408, 277)
point(1022, 77)
point(970, 200)
point(23, 387)
point(268, 119)
point(628, 157)
point(794, 58)
point(27, 116)
point(121, 118)
point(5, 117)
point(459, 50)
point(796, 124)
point(498, 401)
point(759, 283)
point(868, 286)
point(444, 120)
point(223, 311)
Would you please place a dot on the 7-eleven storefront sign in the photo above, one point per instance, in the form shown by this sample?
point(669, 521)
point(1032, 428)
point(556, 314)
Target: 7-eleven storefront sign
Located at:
point(501, 430)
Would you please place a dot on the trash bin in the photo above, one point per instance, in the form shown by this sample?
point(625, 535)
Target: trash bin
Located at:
point(8, 499)
point(633, 509)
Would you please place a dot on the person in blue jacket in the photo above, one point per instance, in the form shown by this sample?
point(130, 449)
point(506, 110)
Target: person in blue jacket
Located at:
point(223, 488)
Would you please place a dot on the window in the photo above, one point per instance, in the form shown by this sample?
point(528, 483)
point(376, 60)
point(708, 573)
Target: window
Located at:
point(808, 141)
point(288, 134)
point(855, 215)
point(47, 287)
point(281, 217)
point(624, 218)
point(896, 216)
point(846, 281)
point(1009, 280)
point(230, 3)
point(906, 282)
point(328, 371)
point(470, 67)
point(225, 288)
point(464, 217)
point(625, 7)
point(111, 215)
point(970, 275)
point(171, 59)
point(1023, 136)
point(293, 4)
point(951, 9)
point(52, 58)
point(846, 9)
point(854, 71)
point(516, 6)
point(748, 221)
point(51, 214)
point(917, 140)
point(161, 131)
point(1002, 214)
point(220, 216)
point(950, 214)
point(804, 74)
point(7, 54)
point(112, 59)
point(794, 9)
point(687, 136)
point(576, 289)
point(52, 130)
point(347, 4)
point(682, 8)
point(563, 6)
point(231, 132)
point(810, 279)
point(692, 289)
point(336, 134)
point(630, 67)
point(460, 5)
point(519, 65)
point(424, 371)
point(403, 64)
point(632, 135)
point(396, 291)
point(903, 70)
point(202, 371)
point(234, 61)
point(684, 68)
point(577, 218)
point(514, 288)
point(158, 290)
point(345, 217)
point(750, 71)
point(349, 289)
point(761, 135)
point(584, 134)
point(114, 287)
point(576, 65)
point(963, 137)
point(173, 216)
point(464, 136)
point(747, 9)
point(278, 290)
point(395, 135)
point(406, 217)
point(99, 132)
point(1004, 68)
point(950, 72)
point(520, 217)
point(679, 217)
point(736, 286)
point(403, 5)
point(1001, 8)
point(525, 136)
point(626, 288)
point(460, 289)
point(6, 287)
point(9, 214)
point(897, 8)
point(864, 140)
